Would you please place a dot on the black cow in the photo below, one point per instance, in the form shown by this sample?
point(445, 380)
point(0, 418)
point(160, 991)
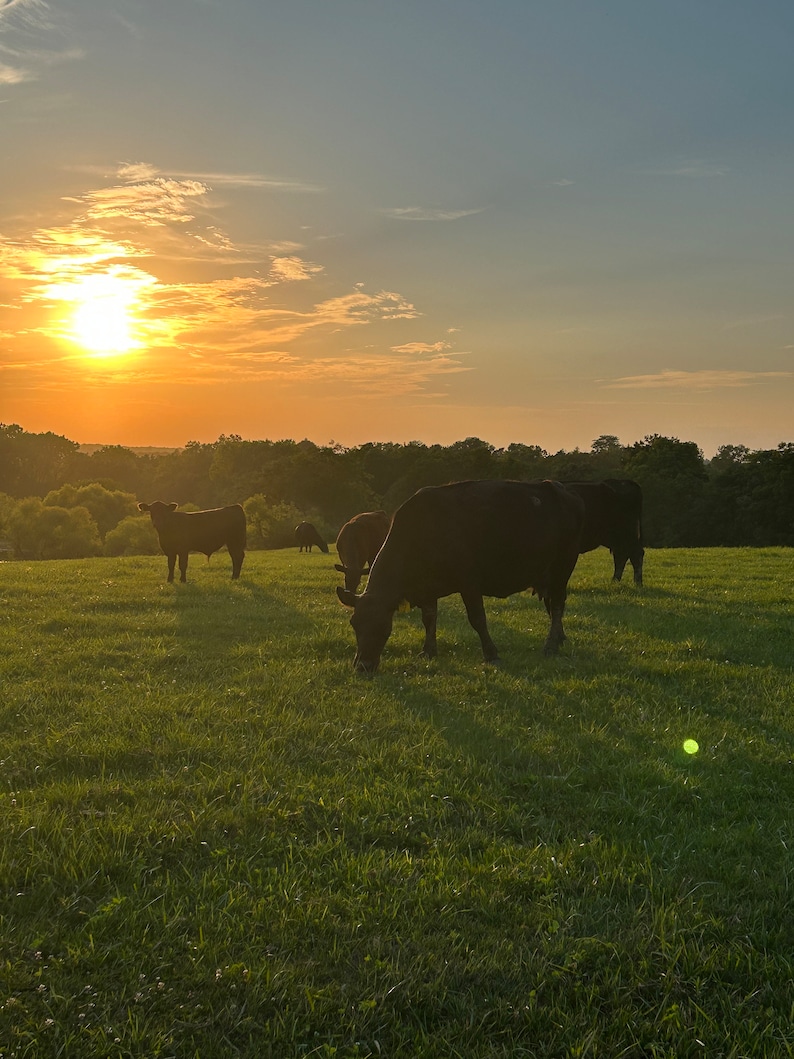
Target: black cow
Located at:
point(306, 536)
point(358, 543)
point(181, 532)
point(481, 538)
point(613, 518)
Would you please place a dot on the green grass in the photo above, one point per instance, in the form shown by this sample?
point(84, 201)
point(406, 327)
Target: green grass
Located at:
point(217, 841)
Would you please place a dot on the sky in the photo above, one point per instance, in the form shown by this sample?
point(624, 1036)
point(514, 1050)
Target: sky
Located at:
point(534, 221)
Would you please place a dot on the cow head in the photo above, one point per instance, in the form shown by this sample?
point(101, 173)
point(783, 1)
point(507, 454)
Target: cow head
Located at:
point(372, 623)
point(158, 511)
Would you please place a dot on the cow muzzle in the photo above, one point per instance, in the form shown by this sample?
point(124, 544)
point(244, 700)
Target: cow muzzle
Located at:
point(366, 667)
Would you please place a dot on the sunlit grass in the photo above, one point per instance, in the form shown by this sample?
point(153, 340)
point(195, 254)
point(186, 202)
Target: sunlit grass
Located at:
point(216, 840)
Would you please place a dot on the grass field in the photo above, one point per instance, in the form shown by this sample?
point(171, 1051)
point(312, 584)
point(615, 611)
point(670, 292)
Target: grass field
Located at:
point(217, 841)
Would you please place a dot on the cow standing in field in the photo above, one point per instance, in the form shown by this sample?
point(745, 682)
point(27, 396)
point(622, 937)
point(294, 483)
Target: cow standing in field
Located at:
point(479, 538)
point(182, 532)
point(358, 543)
point(306, 536)
point(613, 518)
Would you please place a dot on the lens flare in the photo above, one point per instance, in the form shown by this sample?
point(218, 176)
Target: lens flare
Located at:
point(691, 746)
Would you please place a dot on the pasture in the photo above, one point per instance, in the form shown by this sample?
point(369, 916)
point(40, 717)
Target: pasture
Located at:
point(217, 841)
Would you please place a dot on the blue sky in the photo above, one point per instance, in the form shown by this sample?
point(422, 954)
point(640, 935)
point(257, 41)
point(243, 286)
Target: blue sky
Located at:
point(535, 222)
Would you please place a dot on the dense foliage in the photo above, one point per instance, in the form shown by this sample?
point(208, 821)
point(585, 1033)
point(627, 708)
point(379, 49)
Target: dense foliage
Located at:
point(740, 497)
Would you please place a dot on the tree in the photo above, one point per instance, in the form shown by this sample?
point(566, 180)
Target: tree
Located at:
point(40, 531)
point(119, 465)
point(107, 507)
point(673, 479)
point(33, 464)
point(134, 535)
point(271, 525)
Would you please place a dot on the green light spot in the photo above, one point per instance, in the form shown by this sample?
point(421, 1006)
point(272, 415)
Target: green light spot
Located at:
point(691, 747)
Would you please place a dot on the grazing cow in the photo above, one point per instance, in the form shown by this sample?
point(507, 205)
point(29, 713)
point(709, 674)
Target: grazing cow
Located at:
point(358, 543)
point(613, 518)
point(480, 538)
point(181, 532)
point(306, 535)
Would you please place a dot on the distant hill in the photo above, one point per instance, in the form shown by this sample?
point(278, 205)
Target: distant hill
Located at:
point(139, 450)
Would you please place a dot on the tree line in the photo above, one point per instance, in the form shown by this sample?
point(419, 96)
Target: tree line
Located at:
point(57, 501)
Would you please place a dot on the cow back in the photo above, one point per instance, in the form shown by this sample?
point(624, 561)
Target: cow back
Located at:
point(494, 537)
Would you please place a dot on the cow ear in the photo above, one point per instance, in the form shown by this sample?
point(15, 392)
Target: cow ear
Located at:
point(143, 507)
point(340, 568)
point(346, 596)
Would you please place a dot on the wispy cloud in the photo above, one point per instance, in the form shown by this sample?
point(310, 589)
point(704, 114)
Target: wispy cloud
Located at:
point(421, 347)
point(421, 213)
point(292, 269)
point(14, 75)
point(254, 180)
point(695, 380)
point(149, 202)
point(694, 168)
point(23, 22)
point(28, 7)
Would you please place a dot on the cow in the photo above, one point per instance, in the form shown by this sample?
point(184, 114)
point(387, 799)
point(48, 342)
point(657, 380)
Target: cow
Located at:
point(306, 536)
point(358, 543)
point(181, 532)
point(476, 538)
point(613, 518)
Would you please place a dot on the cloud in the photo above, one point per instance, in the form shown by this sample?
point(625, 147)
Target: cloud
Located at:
point(291, 269)
point(152, 202)
point(694, 380)
point(694, 169)
point(28, 19)
point(28, 7)
point(14, 75)
point(254, 180)
point(421, 347)
point(419, 213)
point(136, 171)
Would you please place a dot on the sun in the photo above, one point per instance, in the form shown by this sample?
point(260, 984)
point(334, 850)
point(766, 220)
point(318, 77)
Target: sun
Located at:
point(103, 319)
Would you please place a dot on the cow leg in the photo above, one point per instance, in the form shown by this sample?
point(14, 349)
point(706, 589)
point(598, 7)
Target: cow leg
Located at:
point(637, 567)
point(183, 566)
point(475, 612)
point(430, 621)
point(237, 564)
point(556, 607)
point(171, 564)
point(620, 565)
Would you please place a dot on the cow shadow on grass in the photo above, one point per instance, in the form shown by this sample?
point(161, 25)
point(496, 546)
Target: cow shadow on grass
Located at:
point(732, 632)
point(213, 617)
point(565, 774)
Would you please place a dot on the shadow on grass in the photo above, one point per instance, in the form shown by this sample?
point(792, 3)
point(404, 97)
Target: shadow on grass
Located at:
point(212, 616)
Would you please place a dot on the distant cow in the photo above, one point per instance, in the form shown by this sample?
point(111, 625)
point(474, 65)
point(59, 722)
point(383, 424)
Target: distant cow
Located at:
point(480, 538)
point(358, 543)
point(181, 532)
point(613, 518)
point(306, 536)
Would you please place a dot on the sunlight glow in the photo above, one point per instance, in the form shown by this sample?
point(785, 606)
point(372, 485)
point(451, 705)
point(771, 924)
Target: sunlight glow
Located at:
point(103, 320)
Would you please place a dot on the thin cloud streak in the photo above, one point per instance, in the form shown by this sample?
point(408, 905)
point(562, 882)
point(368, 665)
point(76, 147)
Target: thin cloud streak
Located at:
point(695, 380)
point(420, 213)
